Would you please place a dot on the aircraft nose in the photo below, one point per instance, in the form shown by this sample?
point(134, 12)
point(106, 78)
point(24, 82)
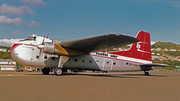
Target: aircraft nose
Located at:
point(14, 52)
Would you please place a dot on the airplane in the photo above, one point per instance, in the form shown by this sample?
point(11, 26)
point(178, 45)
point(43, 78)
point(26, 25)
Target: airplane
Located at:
point(86, 54)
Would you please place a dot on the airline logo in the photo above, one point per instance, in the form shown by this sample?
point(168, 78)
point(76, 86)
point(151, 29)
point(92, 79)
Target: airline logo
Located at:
point(138, 46)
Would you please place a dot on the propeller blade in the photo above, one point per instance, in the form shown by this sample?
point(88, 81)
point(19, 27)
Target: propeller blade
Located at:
point(43, 41)
point(40, 54)
point(61, 49)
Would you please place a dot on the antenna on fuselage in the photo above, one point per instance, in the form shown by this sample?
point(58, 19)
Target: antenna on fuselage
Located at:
point(47, 35)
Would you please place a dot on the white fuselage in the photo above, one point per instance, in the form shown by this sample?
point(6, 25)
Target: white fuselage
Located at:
point(26, 53)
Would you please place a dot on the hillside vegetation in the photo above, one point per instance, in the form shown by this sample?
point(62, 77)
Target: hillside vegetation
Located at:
point(5, 55)
point(163, 45)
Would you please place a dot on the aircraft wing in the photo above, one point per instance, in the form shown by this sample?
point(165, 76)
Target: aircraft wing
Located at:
point(98, 43)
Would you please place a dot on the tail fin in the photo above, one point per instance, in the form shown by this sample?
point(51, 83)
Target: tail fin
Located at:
point(141, 49)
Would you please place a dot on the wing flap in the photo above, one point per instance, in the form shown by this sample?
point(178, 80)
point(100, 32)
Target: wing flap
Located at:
point(99, 43)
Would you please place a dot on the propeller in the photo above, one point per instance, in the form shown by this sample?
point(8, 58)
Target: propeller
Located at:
point(41, 47)
point(61, 49)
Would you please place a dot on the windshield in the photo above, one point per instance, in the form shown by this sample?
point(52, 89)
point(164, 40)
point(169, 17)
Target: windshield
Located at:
point(31, 38)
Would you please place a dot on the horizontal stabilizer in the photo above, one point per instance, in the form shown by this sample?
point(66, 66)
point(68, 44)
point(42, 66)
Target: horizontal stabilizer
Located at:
point(154, 64)
point(146, 67)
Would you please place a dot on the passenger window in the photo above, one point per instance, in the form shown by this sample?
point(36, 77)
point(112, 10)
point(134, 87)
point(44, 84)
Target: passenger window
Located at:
point(114, 63)
point(45, 57)
point(37, 57)
point(75, 60)
point(53, 58)
point(83, 60)
point(34, 38)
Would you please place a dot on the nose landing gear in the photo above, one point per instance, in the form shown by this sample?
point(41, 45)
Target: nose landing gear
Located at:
point(46, 70)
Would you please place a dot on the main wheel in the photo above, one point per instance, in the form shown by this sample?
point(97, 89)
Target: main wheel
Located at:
point(58, 71)
point(146, 73)
point(46, 70)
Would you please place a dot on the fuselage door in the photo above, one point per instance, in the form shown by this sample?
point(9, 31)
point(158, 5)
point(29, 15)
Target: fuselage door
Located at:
point(107, 64)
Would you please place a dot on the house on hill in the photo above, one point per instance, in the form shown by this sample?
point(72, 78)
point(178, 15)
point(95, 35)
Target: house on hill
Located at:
point(3, 50)
point(7, 65)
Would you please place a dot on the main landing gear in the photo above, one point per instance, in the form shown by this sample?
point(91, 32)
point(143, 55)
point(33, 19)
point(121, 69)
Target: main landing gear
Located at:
point(146, 73)
point(58, 71)
point(46, 70)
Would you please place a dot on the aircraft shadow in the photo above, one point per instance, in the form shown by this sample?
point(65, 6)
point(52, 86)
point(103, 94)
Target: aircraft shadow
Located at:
point(99, 75)
point(107, 75)
point(151, 75)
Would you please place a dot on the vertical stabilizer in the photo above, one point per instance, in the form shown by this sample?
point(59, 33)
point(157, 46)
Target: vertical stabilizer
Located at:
point(139, 50)
point(142, 49)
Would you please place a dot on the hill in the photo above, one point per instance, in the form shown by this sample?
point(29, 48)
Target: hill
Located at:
point(5, 55)
point(163, 45)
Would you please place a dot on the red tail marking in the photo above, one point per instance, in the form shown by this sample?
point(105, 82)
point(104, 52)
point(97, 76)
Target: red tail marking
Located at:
point(140, 50)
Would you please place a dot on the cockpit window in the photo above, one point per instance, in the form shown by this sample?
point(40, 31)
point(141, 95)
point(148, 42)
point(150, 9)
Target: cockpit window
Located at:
point(31, 38)
point(34, 38)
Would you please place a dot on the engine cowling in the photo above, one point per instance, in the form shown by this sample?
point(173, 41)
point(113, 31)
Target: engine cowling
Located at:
point(49, 47)
point(56, 48)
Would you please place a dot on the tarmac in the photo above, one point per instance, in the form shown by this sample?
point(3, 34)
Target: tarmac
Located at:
point(112, 86)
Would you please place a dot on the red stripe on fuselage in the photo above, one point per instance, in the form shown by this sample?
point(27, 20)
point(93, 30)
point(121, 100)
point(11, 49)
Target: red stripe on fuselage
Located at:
point(18, 44)
point(118, 59)
point(14, 46)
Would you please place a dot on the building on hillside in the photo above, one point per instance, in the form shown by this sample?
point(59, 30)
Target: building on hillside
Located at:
point(178, 58)
point(158, 49)
point(153, 49)
point(158, 57)
point(165, 49)
point(3, 49)
point(173, 50)
point(7, 65)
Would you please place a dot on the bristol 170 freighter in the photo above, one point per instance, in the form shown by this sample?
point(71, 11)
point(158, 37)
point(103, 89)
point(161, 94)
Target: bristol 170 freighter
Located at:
point(86, 54)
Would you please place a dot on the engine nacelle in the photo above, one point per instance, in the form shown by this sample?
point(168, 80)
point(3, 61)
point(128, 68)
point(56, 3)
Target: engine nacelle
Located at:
point(57, 49)
point(49, 48)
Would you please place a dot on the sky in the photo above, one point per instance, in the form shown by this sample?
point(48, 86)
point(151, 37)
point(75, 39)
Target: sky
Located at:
point(67, 20)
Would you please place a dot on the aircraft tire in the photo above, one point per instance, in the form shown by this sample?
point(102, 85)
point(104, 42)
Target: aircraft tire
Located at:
point(46, 70)
point(146, 73)
point(58, 71)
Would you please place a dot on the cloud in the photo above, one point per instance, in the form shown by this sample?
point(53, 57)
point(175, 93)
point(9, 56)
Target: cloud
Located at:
point(7, 20)
point(13, 10)
point(34, 2)
point(145, 1)
point(16, 21)
point(152, 42)
point(174, 3)
point(33, 24)
point(15, 32)
point(8, 42)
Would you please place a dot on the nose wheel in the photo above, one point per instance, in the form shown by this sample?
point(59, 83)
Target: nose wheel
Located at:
point(146, 73)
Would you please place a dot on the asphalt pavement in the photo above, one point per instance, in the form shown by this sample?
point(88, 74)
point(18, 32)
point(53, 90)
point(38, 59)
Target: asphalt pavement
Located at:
point(113, 86)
